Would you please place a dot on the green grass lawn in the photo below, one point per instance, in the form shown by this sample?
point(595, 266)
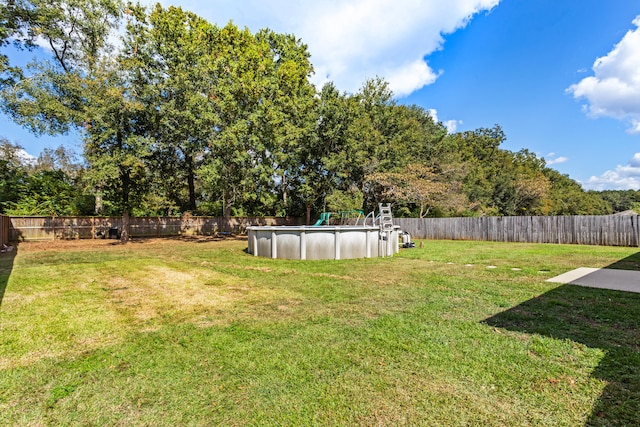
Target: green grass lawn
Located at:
point(201, 333)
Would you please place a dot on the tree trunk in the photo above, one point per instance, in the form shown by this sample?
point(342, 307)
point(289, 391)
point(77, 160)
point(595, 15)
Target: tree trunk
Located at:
point(284, 192)
point(124, 235)
point(227, 211)
point(99, 207)
point(191, 184)
point(125, 181)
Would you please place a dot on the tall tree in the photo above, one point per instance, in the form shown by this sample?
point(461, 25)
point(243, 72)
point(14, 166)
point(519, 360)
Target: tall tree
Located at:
point(371, 131)
point(322, 159)
point(237, 65)
point(418, 184)
point(52, 96)
point(49, 95)
point(180, 65)
point(13, 174)
point(117, 142)
point(286, 113)
point(262, 100)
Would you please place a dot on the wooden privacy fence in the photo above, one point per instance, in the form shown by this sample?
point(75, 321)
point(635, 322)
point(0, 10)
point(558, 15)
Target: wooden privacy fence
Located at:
point(610, 230)
point(5, 223)
point(51, 228)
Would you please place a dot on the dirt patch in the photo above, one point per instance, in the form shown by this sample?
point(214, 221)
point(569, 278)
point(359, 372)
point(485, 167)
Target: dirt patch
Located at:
point(263, 269)
point(161, 290)
point(64, 245)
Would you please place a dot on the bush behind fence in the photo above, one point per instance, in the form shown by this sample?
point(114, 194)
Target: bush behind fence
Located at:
point(52, 228)
point(610, 230)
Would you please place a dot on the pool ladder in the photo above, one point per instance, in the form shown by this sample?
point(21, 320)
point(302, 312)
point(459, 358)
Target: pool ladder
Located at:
point(386, 220)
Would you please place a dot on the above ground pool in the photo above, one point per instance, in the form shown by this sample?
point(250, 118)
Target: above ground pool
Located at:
point(323, 242)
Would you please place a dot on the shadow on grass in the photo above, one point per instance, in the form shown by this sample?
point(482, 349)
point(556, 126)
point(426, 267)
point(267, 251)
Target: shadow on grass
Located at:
point(631, 263)
point(597, 318)
point(6, 266)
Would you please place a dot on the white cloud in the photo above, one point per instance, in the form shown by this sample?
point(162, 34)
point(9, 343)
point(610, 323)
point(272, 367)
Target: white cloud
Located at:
point(404, 80)
point(354, 40)
point(553, 159)
point(635, 126)
point(26, 158)
point(557, 160)
point(451, 125)
point(614, 89)
point(622, 178)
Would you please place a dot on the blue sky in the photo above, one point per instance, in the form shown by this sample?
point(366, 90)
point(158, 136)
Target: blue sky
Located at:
point(562, 77)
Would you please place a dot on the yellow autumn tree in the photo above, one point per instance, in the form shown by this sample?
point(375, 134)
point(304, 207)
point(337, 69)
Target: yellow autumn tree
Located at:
point(421, 185)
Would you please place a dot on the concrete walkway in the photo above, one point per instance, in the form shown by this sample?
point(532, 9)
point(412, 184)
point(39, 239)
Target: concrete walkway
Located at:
point(603, 278)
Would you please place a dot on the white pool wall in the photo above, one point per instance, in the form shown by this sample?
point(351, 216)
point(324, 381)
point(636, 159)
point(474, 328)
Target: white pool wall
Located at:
point(323, 242)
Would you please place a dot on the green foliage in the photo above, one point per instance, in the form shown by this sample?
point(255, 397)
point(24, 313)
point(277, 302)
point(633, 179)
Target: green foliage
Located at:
point(567, 197)
point(50, 96)
point(621, 200)
point(344, 200)
point(419, 185)
point(189, 116)
point(50, 186)
point(51, 193)
point(13, 175)
point(45, 193)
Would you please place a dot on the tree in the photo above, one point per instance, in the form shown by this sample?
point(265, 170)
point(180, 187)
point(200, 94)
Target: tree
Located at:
point(371, 132)
point(49, 186)
point(418, 184)
point(520, 185)
point(621, 200)
point(49, 96)
point(348, 200)
point(262, 100)
point(286, 114)
point(69, 90)
point(116, 141)
point(320, 161)
point(179, 64)
point(46, 192)
point(62, 159)
point(237, 61)
point(13, 174)
point(567, 197)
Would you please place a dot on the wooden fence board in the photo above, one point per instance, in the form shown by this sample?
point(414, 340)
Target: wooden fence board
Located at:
point(5, 223)
point(52, 228)
point(605, 230)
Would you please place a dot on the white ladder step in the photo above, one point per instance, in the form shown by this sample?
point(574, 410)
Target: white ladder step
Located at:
point(386, 219)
